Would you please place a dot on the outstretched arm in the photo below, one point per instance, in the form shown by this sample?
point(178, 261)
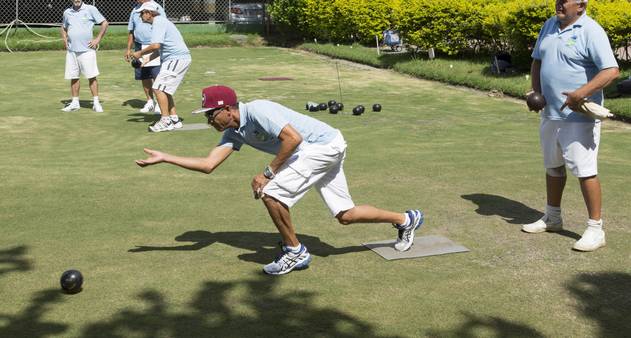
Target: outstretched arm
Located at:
point(202, 164)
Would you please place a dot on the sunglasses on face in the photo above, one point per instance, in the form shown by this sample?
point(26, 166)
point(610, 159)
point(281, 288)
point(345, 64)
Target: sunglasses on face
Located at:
point(211, 114)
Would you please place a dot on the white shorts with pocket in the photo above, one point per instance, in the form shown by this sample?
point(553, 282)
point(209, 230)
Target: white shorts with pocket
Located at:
point(321, 166)
point(78, 63)
point(571, 144)
point(171, 75)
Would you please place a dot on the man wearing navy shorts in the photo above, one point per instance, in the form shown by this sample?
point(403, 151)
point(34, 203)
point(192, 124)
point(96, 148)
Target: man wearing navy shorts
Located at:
point(139, 36)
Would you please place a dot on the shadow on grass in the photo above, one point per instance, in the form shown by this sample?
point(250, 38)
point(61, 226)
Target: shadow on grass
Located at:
point(512, 212)
point(605, 297)
point(142, 117)
point(30, 322)
point(15, 260)
point(264, 310)
point(82, 103)
point(262, 244)
point(487, 326)
point(134, 103)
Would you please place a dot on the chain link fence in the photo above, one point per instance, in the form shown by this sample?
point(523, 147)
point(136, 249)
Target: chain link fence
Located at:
point(50, 12)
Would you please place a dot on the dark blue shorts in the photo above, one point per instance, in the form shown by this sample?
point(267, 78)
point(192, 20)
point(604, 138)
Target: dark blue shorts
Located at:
point(145, 73)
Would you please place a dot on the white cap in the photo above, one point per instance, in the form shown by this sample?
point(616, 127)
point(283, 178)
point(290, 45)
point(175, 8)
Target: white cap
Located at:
point(148, 6)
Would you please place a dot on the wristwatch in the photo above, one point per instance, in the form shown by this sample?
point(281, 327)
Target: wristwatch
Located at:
point(268, 173)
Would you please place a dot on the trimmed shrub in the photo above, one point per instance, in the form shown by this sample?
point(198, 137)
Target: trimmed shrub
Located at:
point(449, 26)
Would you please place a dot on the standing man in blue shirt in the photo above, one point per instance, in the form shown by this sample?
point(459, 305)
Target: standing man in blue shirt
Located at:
point(140, 37)
point(573, 61)
point(307, 153)
point(175, 58)
point(76, 31)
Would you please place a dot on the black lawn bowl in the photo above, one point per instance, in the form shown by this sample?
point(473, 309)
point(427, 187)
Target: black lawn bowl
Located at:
point(624, 87)
point(333, 109)
point(376, 107)
point(331, 103)
point(314, 108)
point(535, 101)
point(358, 110)
point(323, 106)
point(136, 63)
point(71, 281)
point(340, 106)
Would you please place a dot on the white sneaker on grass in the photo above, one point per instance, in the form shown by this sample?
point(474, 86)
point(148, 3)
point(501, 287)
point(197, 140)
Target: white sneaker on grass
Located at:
point(148, 107)
point(72, 106)
point(96, 106)
point(546, 223)
point(288, 261)
point(592, 239)
point(161, 125)
point(405, 235)
point(177, 124)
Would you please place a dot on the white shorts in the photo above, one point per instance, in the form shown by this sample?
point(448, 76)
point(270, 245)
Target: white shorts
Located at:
point(78, 63)
point(573, 144)
point(171, 75)
point(316, 165)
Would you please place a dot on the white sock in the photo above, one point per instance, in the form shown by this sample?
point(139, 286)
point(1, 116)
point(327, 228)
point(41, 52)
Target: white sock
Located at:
point(95, 99)
point(75, 99)
point(553, 212)
point(165, 119)
point(150, 101)
point(407, 219)
point(293, 249)
point(174, 118)
point(598, 224)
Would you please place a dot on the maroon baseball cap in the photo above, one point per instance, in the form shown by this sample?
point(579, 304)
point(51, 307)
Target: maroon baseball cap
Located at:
point(214, 97)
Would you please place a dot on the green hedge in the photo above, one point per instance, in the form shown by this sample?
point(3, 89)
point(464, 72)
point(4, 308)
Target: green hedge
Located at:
point(449, 26)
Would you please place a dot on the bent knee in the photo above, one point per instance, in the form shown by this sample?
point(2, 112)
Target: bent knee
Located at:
point(556, 172)
point(345, 217)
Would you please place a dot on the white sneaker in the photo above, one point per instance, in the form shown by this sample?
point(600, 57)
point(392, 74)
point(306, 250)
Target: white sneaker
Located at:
point(543, 224)
point(160, 126)
point(96, 106)
point(72, 106)
point(405, 236)
point(177, 124)
point(288, 261)
point(593, 238)
point(149, 107)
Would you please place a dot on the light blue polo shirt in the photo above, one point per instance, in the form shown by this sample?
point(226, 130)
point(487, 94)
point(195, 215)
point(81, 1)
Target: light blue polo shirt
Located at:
point(569, 59)
point(79, 24)
point(172, 46)
point(142, 30)
point(261, 121)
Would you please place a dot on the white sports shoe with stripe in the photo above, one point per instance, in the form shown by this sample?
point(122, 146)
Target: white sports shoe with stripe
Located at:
point(148, 108)
point(405, 236)
point(288, 261)
point(72, 106)
point(161, 125)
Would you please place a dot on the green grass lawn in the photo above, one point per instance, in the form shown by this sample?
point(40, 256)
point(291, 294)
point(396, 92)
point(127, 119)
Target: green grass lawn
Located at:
point(170, 253)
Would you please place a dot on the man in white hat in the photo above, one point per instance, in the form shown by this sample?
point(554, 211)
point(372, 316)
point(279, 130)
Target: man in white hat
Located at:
point(175, 58)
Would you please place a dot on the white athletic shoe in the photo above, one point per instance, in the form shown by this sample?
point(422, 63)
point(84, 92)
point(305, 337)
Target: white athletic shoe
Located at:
point(542, 225)
point(177, 124)
point(160, 126)
point(593, 238)
point(72, 106)
point(405, 236)
point(288, 261)
point(148, 108)
point(96, 106)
